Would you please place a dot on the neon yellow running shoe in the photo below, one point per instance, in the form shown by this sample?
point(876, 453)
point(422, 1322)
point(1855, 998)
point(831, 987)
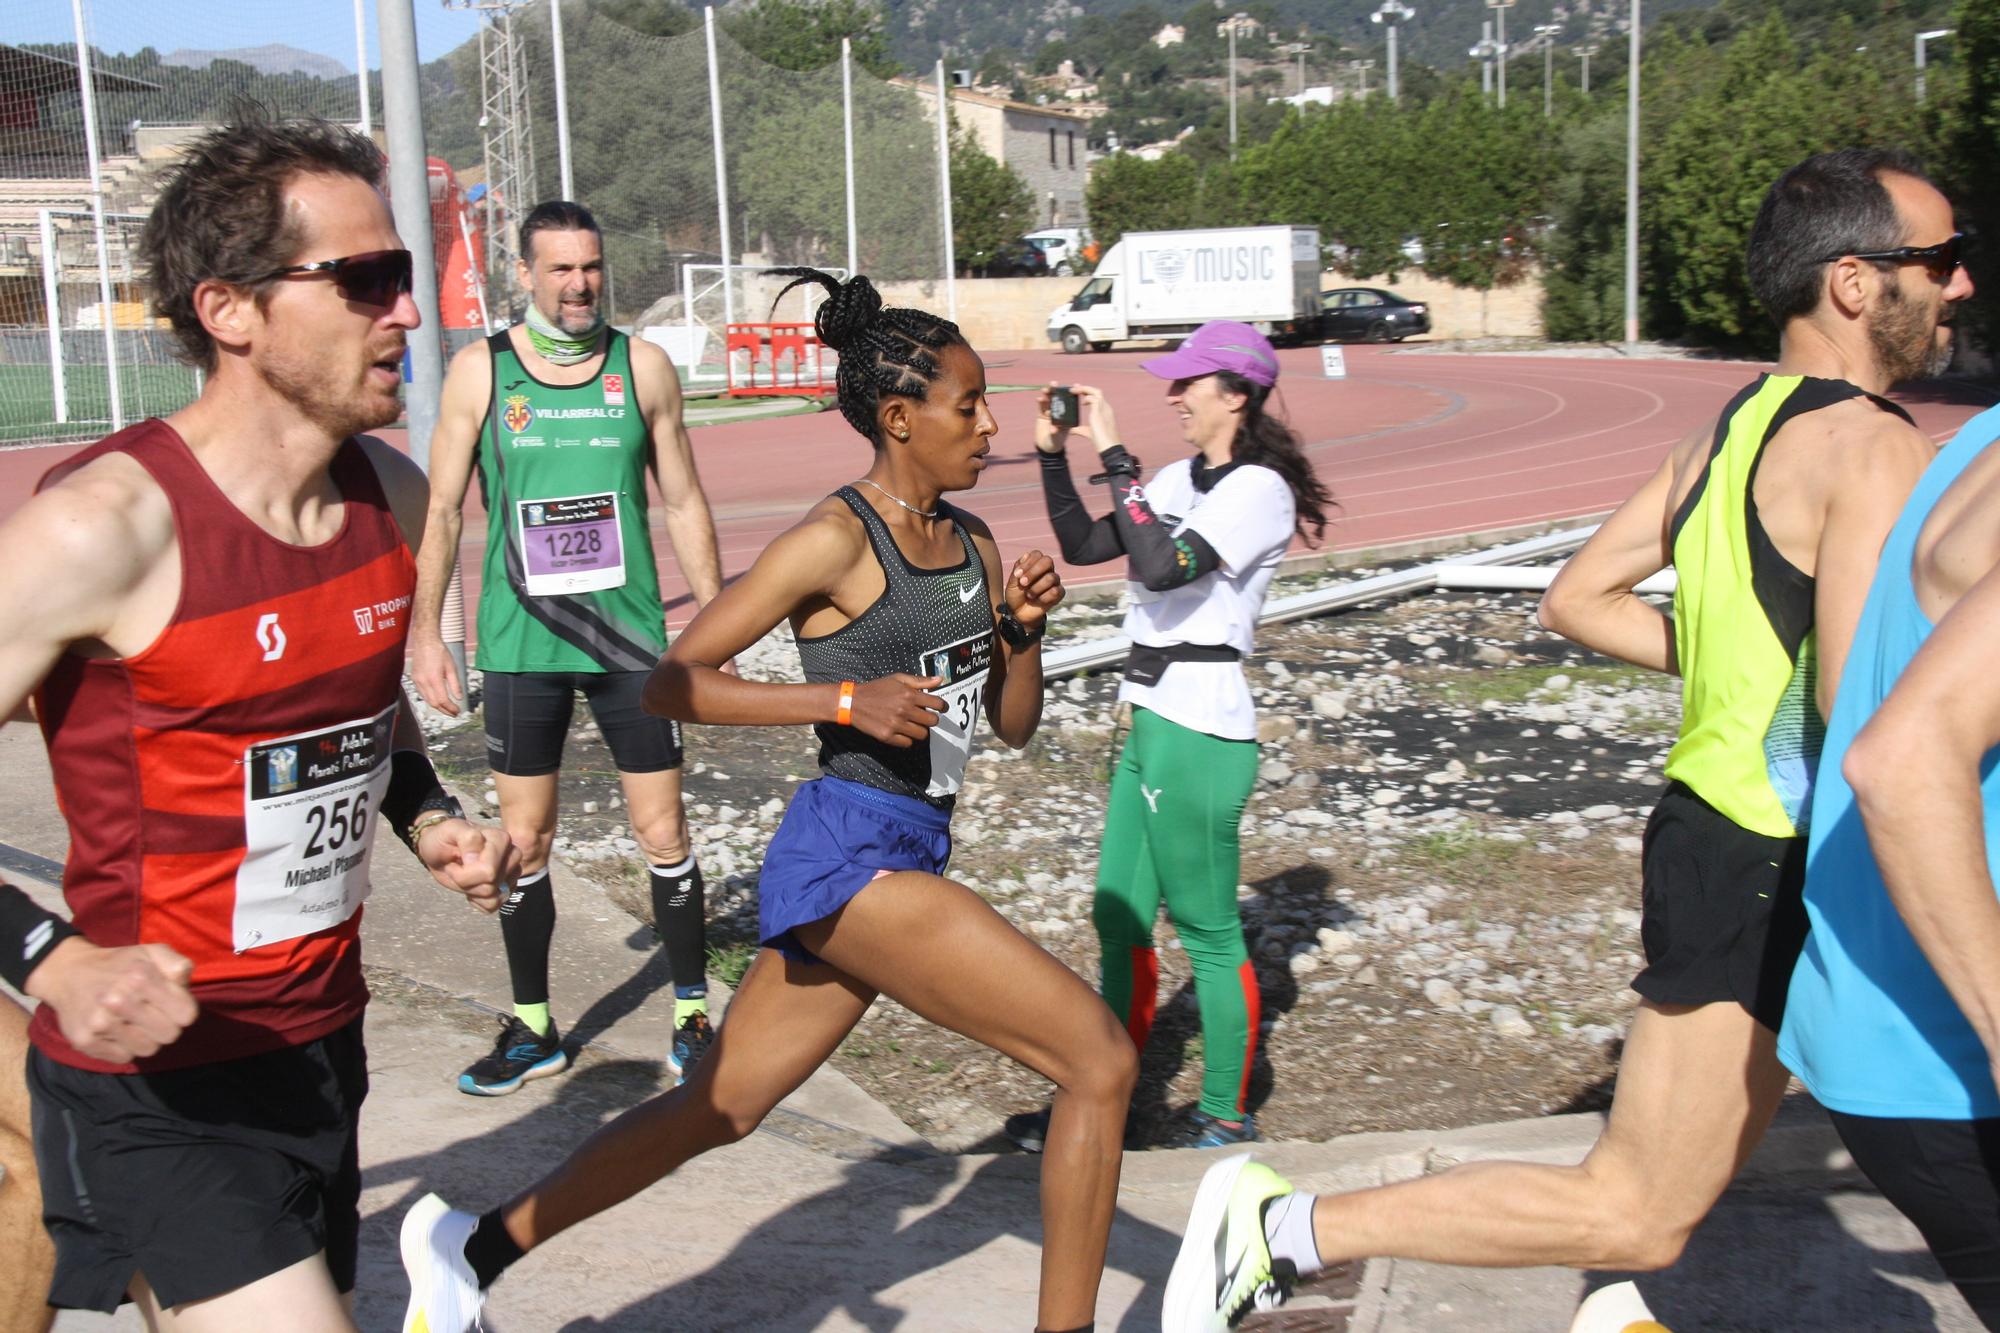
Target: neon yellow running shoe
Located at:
point(1224, 1269)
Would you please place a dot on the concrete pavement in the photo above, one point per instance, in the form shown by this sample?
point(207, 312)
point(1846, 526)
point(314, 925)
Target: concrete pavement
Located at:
point(834, 1216)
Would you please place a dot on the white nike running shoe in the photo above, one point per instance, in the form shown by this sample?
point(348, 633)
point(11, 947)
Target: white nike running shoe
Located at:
point(444, 1294)
point(1224, 1268)
point(1618, 1308)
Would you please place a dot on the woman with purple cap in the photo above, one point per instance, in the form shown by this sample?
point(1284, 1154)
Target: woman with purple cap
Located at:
point(1201, 541)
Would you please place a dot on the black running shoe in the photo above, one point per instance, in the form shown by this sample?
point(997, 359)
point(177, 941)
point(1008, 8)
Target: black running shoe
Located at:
point(1028, 1129)
point(519, 1055)
point(691, 1043)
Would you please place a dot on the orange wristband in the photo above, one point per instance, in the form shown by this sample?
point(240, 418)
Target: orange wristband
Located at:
point(845, 717)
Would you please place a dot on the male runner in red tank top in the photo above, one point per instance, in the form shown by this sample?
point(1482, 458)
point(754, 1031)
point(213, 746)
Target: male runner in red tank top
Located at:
point(209, 611)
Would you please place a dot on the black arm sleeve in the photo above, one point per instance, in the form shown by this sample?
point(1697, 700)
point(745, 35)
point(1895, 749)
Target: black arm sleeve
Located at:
point(1083, 541)
point(1160, 560)
point(27, 933)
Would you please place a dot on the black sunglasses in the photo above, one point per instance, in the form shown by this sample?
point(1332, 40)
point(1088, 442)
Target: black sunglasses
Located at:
point(1941, 259)
point(376, 278)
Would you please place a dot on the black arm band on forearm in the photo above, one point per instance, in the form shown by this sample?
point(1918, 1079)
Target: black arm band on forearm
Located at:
point(1084, 540)
point(414, 790)
point(1117, 463)
point(27, 933)
point(1160, 558)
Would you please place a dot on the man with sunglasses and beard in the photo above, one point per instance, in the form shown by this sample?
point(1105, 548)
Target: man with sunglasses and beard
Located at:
point(209, 611)
point(564, 418)
point(1773, 520)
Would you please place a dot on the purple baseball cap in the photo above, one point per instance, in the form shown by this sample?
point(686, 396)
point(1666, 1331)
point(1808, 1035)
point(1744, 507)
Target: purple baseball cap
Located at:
point(1220, 344)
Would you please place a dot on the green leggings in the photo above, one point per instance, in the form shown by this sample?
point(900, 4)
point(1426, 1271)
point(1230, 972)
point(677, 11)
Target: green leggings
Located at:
point(1170, 831)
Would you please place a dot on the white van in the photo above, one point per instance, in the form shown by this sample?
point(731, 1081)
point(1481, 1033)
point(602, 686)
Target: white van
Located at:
point(1165, 284)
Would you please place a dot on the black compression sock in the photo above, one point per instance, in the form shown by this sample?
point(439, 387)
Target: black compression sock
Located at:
point(680, 917)
point(1080, 1328)
point(490, 1250)
point(527, 924)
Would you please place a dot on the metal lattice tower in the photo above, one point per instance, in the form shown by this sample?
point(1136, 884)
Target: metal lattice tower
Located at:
point(506, 119)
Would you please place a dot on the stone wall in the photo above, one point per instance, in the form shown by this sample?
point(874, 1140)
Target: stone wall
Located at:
point(1001, 314)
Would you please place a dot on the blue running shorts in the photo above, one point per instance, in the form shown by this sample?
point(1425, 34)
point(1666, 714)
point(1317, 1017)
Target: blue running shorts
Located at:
point(837, 837)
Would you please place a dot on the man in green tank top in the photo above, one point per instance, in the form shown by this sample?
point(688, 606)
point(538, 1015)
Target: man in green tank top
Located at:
point(1773, 519)
point(564, 418)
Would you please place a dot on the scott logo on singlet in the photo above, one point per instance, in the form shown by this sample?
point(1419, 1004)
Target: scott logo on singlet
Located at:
point(517, 416)
point(270, 636)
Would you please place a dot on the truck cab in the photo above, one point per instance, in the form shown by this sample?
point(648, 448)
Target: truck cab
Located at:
point(1093, 319)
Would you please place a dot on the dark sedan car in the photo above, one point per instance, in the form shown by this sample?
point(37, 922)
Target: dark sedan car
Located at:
point(1017, 259)
point(1370, 313)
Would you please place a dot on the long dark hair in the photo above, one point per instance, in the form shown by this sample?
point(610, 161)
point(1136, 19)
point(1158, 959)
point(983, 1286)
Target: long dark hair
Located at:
point(883, 349)
point(1264, 439)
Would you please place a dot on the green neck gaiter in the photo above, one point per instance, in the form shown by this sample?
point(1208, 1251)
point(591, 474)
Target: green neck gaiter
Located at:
point(557, 347)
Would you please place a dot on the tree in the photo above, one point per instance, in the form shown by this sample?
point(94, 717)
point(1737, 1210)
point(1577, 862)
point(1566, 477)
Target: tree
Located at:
point(1972, 156)
point(990, 203)
point(1128, 193)
point(806, 34)
point(1583, 287)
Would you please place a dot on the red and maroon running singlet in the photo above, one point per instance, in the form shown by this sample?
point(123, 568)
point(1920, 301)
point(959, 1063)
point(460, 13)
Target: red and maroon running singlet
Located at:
point(221, 785)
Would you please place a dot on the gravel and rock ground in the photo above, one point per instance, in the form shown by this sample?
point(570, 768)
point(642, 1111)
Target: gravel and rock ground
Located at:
point(1439, 886)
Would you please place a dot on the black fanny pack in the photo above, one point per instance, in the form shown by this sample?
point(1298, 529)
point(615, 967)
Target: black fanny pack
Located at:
point(1145, 665)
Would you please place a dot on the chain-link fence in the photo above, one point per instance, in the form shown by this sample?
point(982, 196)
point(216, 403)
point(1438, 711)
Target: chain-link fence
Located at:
point(87, 123)
point(831, 167)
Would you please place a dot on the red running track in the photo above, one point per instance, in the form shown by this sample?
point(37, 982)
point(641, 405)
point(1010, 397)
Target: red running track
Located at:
point(1414, 446)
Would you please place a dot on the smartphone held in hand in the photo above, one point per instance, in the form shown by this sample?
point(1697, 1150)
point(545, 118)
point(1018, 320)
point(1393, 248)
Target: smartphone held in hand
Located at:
point(1062, 407)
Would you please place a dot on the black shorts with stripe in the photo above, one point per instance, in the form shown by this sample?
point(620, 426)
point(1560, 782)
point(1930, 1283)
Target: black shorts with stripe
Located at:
point(202, 1179)
point(1724, 914)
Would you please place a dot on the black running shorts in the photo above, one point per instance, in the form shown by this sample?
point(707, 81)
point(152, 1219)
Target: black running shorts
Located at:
point(203, 1179)
point(1941, 1175)
point(1724, 913)
point(528, 716)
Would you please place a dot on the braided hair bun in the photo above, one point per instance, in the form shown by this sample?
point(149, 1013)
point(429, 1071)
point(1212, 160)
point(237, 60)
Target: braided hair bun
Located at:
point(883, 349)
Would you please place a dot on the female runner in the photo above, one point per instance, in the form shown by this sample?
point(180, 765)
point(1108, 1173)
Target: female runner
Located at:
point(906, 630)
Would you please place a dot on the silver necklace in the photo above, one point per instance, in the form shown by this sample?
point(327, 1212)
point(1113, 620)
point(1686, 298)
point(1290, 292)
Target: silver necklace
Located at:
point(920, 513)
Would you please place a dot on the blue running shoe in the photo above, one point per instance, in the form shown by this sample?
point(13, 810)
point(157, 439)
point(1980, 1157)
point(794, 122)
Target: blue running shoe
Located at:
point(691, 1043)
point(519, 1055)
point(1212, 1133)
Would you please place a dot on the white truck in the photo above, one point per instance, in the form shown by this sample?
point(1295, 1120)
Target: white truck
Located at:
point(1164, 284)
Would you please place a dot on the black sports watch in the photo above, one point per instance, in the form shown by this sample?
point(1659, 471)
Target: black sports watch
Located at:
point(1017, 635)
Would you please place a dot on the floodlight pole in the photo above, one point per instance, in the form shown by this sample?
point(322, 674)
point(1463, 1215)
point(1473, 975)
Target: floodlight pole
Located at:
point(721, 171)
point(1547, 32)
point(847, 126)
point(361, 65)
point(1922, 38)
point(1232, 83)
point(1583, 53)
point(1632, 189)
point(410, 202)
point(944, 188)
point(1484, 51)
point(1392, 15)
point(107, 315)
point(562, 99)
point(1500, 8)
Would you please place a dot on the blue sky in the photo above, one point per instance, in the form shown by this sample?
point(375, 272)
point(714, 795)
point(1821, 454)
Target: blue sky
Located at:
point(324, 26)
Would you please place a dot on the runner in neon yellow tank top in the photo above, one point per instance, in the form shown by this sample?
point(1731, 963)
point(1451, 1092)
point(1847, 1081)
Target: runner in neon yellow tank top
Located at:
point(564, 418)
point(1774, 519)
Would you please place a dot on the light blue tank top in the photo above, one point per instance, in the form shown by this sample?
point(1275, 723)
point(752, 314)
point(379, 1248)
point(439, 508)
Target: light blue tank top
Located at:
point(1869, 1028)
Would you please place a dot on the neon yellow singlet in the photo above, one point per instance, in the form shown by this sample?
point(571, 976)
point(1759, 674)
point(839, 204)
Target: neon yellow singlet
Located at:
point(1743, 625)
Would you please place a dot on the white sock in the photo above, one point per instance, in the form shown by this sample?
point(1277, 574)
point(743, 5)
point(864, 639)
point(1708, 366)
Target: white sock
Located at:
point(1288, 1226)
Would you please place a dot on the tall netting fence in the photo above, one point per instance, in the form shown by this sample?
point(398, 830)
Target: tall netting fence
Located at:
point(79, 352)
point(689, 253)
point(689, 249)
